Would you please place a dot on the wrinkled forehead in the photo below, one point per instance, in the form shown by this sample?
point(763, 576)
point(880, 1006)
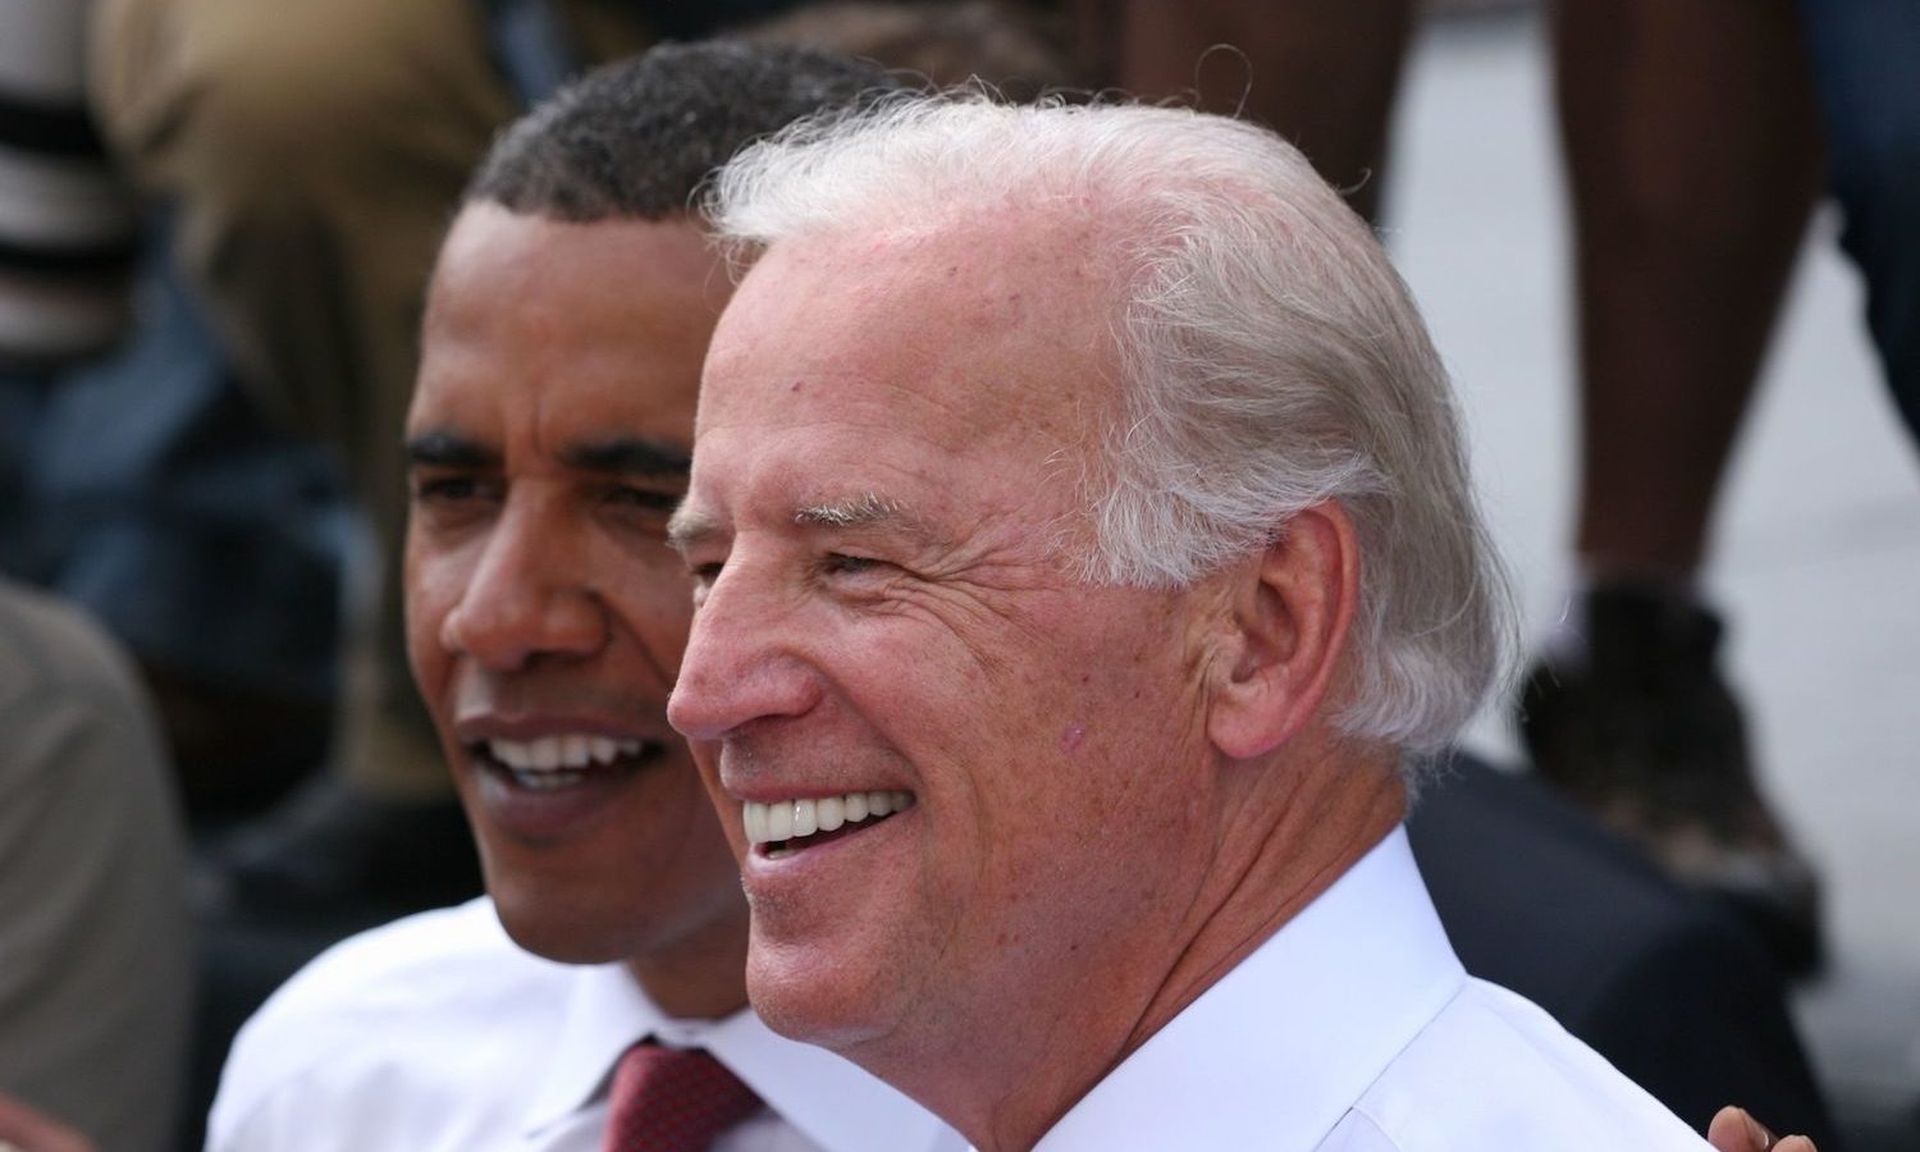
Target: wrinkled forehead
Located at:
point(992, 325)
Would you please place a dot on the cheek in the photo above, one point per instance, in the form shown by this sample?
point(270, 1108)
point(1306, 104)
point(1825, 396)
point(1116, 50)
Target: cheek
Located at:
point(434, 585)
point(653, 596)
point(659, 627)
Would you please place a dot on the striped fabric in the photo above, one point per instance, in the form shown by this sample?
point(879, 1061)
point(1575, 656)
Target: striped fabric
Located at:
point(67, 225)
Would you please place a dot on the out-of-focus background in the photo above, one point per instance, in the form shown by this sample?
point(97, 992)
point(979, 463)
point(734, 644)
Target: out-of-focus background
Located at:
point(1816, 549)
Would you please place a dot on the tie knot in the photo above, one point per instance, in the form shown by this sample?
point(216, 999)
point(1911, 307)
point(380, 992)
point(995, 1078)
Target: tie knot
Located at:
point(673, 1100)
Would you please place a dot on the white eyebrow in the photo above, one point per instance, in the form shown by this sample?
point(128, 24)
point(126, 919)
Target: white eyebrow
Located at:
point(688, 526)
point(866, 508)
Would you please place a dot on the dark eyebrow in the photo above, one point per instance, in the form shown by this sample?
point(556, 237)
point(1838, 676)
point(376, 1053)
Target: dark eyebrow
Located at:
point(629, 456)
point(445, 448)
point(620, 455)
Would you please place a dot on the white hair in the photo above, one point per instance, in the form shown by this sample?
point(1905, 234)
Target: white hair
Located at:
point(1271, 359)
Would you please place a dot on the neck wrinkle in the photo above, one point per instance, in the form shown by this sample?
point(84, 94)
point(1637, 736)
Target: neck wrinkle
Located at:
point(1333, 815)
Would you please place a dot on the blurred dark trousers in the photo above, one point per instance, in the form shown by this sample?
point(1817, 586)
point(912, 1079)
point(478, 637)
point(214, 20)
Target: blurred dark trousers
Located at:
point(1866, 63)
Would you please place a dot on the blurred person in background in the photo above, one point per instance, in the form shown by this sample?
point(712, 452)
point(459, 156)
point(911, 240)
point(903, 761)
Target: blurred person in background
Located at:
point(134, 479)
point(1863, 54)
point(95, 975)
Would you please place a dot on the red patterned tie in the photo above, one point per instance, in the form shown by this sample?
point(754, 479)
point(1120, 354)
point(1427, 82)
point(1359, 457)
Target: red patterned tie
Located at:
point(673, 1100)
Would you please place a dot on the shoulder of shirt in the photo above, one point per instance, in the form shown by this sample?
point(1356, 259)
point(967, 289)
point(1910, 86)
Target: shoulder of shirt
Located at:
point(48, 645)
point(435, 976)
point(1493, 1070)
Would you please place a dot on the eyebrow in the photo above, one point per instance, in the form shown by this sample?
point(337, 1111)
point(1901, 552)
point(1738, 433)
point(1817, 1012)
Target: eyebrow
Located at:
point(691, 525)
point(628, 456)
point(614, 455)
point(852, 512)
point(445, 448)
point(869, 510)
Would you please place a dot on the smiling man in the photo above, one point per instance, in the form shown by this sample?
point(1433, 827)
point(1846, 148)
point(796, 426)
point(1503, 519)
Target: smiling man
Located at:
point(596, 1000)
point(1084, 481)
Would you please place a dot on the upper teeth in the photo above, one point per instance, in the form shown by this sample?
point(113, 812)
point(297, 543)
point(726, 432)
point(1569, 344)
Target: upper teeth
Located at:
point(785, 819)
point(553, 753)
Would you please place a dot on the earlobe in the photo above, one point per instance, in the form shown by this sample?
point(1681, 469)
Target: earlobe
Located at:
point(1290, 608)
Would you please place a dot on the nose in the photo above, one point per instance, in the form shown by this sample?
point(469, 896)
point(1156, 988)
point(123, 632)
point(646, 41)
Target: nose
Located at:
point(529, 595)
point(745, 658)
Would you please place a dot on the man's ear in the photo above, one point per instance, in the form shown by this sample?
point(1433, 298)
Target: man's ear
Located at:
point(1290, 610)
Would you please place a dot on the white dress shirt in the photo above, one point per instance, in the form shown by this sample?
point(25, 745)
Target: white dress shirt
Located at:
point(1355, 1029)
point(437, 1033)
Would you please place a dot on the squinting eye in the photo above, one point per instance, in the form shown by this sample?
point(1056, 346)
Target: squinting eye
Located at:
point(841, 564)
point(703, 577)
point(448, 488)
point(645, 499)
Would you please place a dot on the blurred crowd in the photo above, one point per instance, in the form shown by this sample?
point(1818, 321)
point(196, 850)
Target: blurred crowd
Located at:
point(217, 222)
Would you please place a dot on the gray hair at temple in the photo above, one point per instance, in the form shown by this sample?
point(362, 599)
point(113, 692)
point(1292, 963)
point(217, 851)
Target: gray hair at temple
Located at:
point(1271, 359)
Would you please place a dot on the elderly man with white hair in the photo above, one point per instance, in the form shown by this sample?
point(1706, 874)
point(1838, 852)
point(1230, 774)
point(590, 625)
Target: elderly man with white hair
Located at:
point(1081, 484)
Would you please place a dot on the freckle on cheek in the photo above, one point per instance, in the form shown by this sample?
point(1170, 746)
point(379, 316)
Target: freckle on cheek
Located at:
point(797, 385)
point(1072, 737)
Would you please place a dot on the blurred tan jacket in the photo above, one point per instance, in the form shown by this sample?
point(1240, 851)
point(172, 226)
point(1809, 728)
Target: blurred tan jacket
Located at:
point(95, 948)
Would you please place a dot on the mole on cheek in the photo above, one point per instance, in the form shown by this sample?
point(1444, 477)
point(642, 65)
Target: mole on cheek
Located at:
point(796, 386)
point(1072, 736)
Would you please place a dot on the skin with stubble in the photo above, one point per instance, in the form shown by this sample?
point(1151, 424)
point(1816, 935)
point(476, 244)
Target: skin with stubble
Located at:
point(1115, 789)
point(549, 438)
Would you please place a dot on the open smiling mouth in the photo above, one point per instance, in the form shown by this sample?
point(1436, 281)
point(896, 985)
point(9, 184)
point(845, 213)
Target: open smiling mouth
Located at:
point(550, 763)
point(785, 827)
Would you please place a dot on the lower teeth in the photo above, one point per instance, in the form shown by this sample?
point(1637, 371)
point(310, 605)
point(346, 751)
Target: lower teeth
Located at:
point(548, 781)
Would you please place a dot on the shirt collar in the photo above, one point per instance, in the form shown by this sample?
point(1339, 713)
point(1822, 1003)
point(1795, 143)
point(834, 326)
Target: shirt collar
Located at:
point(1283, 1045)
point(833, 1103)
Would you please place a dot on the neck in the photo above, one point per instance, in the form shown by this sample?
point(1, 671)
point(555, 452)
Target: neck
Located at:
point(1284, 833)
point(701, 976)
point(1333, 818)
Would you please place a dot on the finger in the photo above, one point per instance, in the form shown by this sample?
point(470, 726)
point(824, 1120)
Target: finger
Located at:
point(1795, 1144)
point(1732, 1131)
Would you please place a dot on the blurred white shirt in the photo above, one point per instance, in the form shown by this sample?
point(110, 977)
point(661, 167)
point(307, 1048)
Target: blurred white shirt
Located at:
point(437, 1032)
point(1355, 1029)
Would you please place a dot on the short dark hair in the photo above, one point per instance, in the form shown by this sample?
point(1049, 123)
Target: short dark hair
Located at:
point(637, 139)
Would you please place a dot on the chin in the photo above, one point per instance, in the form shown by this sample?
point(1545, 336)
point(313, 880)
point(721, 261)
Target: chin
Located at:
point(818, 1001)
point(553, 924)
